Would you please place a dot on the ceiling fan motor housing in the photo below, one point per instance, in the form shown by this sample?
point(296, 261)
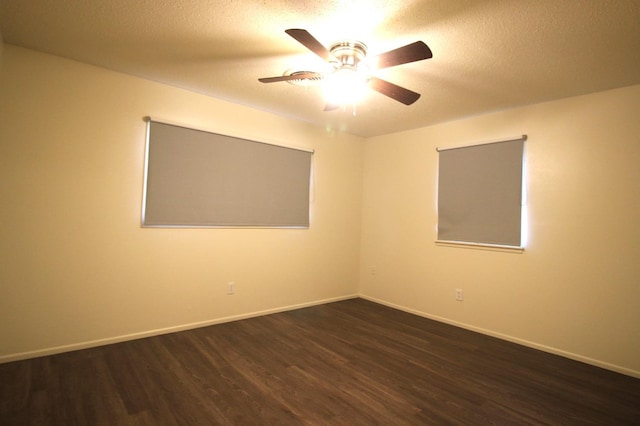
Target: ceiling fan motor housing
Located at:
point(348, 53)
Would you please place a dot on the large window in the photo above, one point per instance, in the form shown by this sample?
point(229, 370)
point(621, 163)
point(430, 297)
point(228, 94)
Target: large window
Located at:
point(195, 178)
point(480, 194)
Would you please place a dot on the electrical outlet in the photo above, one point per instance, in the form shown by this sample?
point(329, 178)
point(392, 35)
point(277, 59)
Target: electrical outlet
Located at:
point(231, 287)
point(372, 270)
point(459, 296)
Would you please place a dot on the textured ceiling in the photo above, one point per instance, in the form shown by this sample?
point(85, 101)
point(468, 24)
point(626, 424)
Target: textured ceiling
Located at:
point(488, 54)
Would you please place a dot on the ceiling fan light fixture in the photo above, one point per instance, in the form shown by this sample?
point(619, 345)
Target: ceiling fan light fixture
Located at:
point(345, 85)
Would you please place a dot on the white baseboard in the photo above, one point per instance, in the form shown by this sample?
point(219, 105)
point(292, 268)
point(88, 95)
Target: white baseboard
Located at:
point(157, 332)
point(544, 348)
point(183, 327)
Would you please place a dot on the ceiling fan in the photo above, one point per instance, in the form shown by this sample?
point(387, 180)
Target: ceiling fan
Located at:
point(350, 67)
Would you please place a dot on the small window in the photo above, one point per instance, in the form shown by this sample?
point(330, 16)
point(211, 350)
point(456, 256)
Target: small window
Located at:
point(195, 178)
point(480, 194)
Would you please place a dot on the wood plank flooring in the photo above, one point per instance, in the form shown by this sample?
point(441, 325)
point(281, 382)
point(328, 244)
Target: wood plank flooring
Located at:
point(346, 363)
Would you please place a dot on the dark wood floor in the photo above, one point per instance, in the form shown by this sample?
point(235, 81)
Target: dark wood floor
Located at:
point(345, 363)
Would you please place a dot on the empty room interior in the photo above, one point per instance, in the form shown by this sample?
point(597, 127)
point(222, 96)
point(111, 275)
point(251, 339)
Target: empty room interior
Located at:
point(86, 88)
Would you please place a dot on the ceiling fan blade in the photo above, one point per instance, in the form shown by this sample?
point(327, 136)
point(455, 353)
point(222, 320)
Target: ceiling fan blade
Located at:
point(296, 76)
point(331, 107)
point(416, 51)
point(307, 40)
point(393, 91)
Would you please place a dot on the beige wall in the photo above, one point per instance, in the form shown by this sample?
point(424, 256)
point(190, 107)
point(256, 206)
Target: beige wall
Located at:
point(76, 269)
point(75, 265)
point(575, 289)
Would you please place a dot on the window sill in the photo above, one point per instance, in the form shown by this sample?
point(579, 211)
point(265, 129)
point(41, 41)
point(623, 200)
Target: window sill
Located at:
point(479, 246)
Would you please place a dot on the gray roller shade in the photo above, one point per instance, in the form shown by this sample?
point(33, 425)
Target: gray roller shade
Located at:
point(197, 179)
point(480, 193)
